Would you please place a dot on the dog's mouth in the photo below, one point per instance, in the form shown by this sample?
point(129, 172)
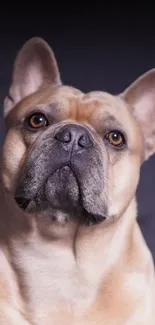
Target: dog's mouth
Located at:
point(61, 191)
point(87, 218)
point(58, 190)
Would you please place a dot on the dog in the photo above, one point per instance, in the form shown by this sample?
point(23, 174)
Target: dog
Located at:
point(71, 250)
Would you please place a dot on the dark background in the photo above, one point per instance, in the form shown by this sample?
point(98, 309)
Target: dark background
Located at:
point(98, 47)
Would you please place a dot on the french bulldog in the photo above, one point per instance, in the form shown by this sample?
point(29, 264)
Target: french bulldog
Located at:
point(71, 250)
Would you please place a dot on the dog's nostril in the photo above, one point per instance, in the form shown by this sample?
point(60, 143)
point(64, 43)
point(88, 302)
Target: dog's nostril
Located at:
point(85, 141)
point(63, 136)
point(75, 135)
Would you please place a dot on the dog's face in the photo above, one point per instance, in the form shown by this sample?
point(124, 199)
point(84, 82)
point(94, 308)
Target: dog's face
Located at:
point(68, 154)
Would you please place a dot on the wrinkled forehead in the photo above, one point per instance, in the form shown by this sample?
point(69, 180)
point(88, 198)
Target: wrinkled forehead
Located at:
point(96, 108)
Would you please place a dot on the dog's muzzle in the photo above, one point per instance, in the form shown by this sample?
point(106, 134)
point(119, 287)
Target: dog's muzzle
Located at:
point(64, 171)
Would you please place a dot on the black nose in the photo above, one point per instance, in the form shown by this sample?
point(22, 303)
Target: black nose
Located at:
point(74, 135)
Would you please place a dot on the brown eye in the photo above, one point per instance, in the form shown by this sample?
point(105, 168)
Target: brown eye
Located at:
point(37, 121)
point(115, 138)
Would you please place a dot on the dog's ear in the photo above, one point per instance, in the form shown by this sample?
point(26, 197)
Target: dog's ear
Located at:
point(140, 96)
point(35, 67)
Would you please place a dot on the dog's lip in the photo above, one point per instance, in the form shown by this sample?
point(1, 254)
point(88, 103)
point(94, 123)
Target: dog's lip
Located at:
point(89, 220)
point(25, 203)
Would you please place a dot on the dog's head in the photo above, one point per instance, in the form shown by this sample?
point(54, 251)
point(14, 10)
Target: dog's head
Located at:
point(69, 154)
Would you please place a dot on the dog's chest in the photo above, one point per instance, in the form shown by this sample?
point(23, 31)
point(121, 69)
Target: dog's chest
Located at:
point(54, 285)
point(59, 291)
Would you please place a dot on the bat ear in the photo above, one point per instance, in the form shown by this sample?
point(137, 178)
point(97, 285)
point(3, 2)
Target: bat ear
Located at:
point(35, 67)
point(140, 97)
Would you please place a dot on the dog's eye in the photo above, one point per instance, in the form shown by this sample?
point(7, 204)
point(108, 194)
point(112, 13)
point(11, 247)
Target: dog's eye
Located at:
point(37, 121)
point(116, 138)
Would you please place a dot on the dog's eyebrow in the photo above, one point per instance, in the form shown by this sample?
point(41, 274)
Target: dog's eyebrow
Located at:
point(108, 117)
point(110, 120)
point(53, 109)
point(51, 106)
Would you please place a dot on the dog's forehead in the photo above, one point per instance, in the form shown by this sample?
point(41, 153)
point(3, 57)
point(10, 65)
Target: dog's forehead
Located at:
point(71, 103)
point(79, 106)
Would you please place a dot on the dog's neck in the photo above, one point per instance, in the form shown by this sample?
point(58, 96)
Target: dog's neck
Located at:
point(66, 270)
point(72, 237)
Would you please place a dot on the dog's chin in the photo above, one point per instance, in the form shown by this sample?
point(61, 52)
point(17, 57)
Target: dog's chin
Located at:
point(62, 190)
point(60, 198)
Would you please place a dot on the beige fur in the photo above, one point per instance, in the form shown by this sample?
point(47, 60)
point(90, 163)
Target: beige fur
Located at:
point(67, 273)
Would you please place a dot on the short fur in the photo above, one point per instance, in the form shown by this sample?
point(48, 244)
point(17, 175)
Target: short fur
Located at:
point(75, 254)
